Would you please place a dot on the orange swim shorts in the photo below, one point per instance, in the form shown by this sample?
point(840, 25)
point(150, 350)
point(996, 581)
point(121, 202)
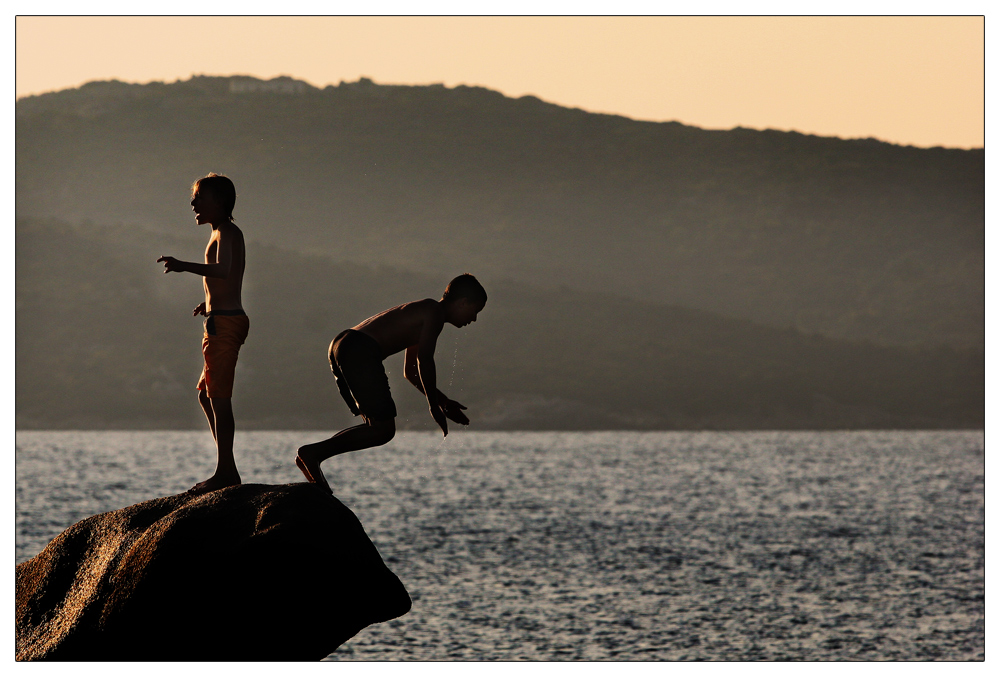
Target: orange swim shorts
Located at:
point(224, 334)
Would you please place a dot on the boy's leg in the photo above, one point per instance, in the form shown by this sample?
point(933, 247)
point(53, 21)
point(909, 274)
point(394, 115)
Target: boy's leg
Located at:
point(206, 406)
point(224, 429)
point(365, 436)
point(221, 347)
point(356, 362)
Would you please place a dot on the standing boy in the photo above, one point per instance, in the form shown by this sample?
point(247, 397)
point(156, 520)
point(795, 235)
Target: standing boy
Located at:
point(356, 357)
point(226, 325)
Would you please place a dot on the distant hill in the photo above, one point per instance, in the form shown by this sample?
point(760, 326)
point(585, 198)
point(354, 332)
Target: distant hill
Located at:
point(105, 340)
point(856, 240)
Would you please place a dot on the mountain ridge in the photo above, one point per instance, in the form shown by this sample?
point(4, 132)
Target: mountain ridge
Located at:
point(641, 274)
point(854, 239)
point(288, 85)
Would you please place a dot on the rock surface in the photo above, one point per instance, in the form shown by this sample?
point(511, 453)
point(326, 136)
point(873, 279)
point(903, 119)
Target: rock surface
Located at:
point(254, 572)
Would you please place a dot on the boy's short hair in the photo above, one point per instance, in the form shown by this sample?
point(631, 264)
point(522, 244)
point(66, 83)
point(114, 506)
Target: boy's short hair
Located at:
point(465, 286)
point(221, 187)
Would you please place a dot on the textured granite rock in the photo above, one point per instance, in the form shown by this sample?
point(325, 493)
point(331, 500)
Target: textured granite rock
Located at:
point(254, 572)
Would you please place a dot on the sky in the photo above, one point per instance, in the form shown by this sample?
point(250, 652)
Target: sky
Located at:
point(908, 80)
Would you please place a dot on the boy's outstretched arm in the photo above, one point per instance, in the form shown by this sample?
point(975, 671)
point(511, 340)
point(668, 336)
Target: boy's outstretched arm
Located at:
point(220, 268)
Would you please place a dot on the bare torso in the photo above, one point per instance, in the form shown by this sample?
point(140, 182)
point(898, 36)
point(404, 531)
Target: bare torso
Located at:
point(399, 328)
point(225, 293)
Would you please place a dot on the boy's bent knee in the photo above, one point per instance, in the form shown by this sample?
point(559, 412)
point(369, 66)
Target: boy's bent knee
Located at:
point(386, 429)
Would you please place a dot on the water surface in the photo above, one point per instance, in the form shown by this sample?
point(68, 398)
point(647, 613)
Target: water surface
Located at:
point(610, 546)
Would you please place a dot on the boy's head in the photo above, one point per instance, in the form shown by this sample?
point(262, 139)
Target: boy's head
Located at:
point(221, 190)
point(464, 298)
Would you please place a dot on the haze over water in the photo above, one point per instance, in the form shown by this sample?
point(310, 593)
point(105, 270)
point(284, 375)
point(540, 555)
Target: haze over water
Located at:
point(610, 546)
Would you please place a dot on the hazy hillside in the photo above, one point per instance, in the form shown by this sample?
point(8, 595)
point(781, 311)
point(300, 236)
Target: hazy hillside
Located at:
point(104, 339)
point(850, 239)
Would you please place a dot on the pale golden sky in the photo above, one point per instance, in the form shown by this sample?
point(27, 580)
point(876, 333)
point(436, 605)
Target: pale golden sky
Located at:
point(910, 80)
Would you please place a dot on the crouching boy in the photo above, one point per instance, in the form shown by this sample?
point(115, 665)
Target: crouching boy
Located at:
point(356, 357)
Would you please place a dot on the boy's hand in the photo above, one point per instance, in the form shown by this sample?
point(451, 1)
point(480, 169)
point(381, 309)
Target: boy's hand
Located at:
point(171, 265)
point(200, 309)
point(453, 410)
point(439, 418)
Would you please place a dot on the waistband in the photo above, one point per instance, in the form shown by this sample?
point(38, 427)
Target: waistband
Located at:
point(237, 312)
point(357, 336)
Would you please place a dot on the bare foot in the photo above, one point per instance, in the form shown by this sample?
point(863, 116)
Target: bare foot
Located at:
point(312, 472)
point(302, 466)
point(215, 482)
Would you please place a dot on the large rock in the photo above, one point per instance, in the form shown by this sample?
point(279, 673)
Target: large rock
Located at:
point(253, 572)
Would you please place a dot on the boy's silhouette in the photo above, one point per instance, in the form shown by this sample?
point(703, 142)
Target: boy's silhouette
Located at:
point(226, 325)
point(356, 357)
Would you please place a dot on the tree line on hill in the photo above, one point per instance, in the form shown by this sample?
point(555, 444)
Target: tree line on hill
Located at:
point(105, 340)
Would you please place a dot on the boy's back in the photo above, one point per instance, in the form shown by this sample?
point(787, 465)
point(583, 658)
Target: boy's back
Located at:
point(405, 325)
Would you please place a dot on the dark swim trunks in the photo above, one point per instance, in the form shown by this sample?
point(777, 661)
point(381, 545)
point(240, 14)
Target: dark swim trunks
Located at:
point(356, 362)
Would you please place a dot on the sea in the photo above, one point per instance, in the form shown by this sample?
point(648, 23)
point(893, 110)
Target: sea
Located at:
point(609, 546)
